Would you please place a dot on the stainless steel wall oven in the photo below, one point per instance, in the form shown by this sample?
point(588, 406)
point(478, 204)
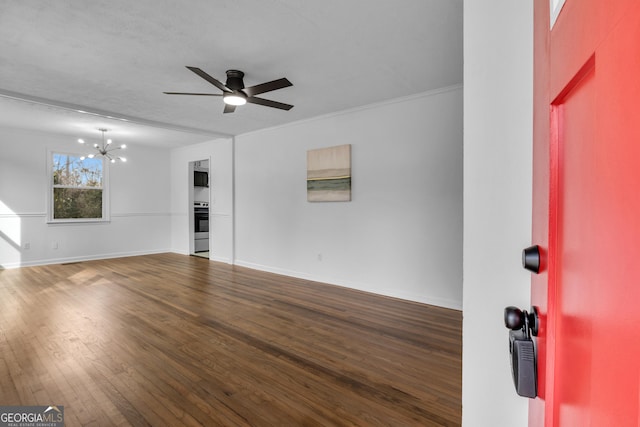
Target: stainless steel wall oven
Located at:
point(201, 226)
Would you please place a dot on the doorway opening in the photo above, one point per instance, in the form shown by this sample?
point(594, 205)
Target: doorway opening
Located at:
point(199, 209)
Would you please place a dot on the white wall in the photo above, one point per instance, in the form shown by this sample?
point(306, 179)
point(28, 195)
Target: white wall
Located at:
point(401, 235)
point(139, 205)
point(498, 61)
point(220, 152)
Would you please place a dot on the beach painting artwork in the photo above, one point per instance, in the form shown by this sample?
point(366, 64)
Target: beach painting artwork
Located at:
point(329, 174)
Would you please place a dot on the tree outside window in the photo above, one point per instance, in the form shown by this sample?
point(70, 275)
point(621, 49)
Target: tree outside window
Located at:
point(78, 187)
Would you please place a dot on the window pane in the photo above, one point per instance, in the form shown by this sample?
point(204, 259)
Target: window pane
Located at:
point(77, 203)
point(70, 170)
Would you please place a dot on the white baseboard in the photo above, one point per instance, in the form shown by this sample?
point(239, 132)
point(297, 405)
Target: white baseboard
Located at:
point(394, 293)
point(179, 251)
point(80, 258)
point(440, 302)
point(226, 260)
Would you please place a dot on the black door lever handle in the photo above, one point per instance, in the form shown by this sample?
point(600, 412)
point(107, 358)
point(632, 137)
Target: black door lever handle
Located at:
point(522, 349)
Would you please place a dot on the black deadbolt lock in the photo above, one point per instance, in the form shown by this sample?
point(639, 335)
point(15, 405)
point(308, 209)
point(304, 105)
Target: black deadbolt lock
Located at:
point(521, 349)
point(531, 258)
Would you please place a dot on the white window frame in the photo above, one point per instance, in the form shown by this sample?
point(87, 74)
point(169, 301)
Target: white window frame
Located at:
point(50, 204)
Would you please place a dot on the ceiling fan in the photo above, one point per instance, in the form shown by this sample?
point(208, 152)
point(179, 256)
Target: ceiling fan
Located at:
point(234, 93)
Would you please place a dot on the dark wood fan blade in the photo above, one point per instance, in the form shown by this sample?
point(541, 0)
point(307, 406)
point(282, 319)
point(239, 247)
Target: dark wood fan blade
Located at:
point(229, 108)
point(210, 79)
point(267, 87)
point(189, 93)
point(269, 103)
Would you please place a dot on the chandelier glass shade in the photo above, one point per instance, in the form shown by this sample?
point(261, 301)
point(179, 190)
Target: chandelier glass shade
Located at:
point(106, 149)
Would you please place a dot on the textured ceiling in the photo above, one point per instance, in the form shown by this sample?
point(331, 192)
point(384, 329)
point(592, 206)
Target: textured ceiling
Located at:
point(115, 58)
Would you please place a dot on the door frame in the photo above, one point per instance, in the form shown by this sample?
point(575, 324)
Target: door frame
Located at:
point(191, 200)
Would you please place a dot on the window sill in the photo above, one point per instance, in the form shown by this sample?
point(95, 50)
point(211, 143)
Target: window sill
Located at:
point(77, 221)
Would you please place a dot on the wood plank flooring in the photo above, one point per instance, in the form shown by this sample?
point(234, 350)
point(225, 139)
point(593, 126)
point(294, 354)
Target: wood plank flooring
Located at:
point(173, 340)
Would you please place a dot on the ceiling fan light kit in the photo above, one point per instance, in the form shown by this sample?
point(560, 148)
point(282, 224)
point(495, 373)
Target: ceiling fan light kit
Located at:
point(235, 99)
point(235, 94)
point(106, 149)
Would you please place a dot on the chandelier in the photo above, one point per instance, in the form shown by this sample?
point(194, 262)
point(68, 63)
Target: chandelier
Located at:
point(106, 149)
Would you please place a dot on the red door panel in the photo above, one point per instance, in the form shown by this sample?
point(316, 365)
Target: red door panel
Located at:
point(586, 215)
point(576, 250)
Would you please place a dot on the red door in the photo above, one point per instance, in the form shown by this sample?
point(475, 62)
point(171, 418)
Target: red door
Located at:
point(586, 215)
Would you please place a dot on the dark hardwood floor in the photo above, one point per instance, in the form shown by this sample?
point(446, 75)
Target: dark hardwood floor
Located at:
point(176, 340)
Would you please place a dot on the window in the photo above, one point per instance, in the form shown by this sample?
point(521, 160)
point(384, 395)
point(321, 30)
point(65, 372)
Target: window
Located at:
point(78, 188)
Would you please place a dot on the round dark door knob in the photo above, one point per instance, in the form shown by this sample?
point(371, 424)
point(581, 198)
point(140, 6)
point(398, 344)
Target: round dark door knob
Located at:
point(531, 259)
point(513, 318)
